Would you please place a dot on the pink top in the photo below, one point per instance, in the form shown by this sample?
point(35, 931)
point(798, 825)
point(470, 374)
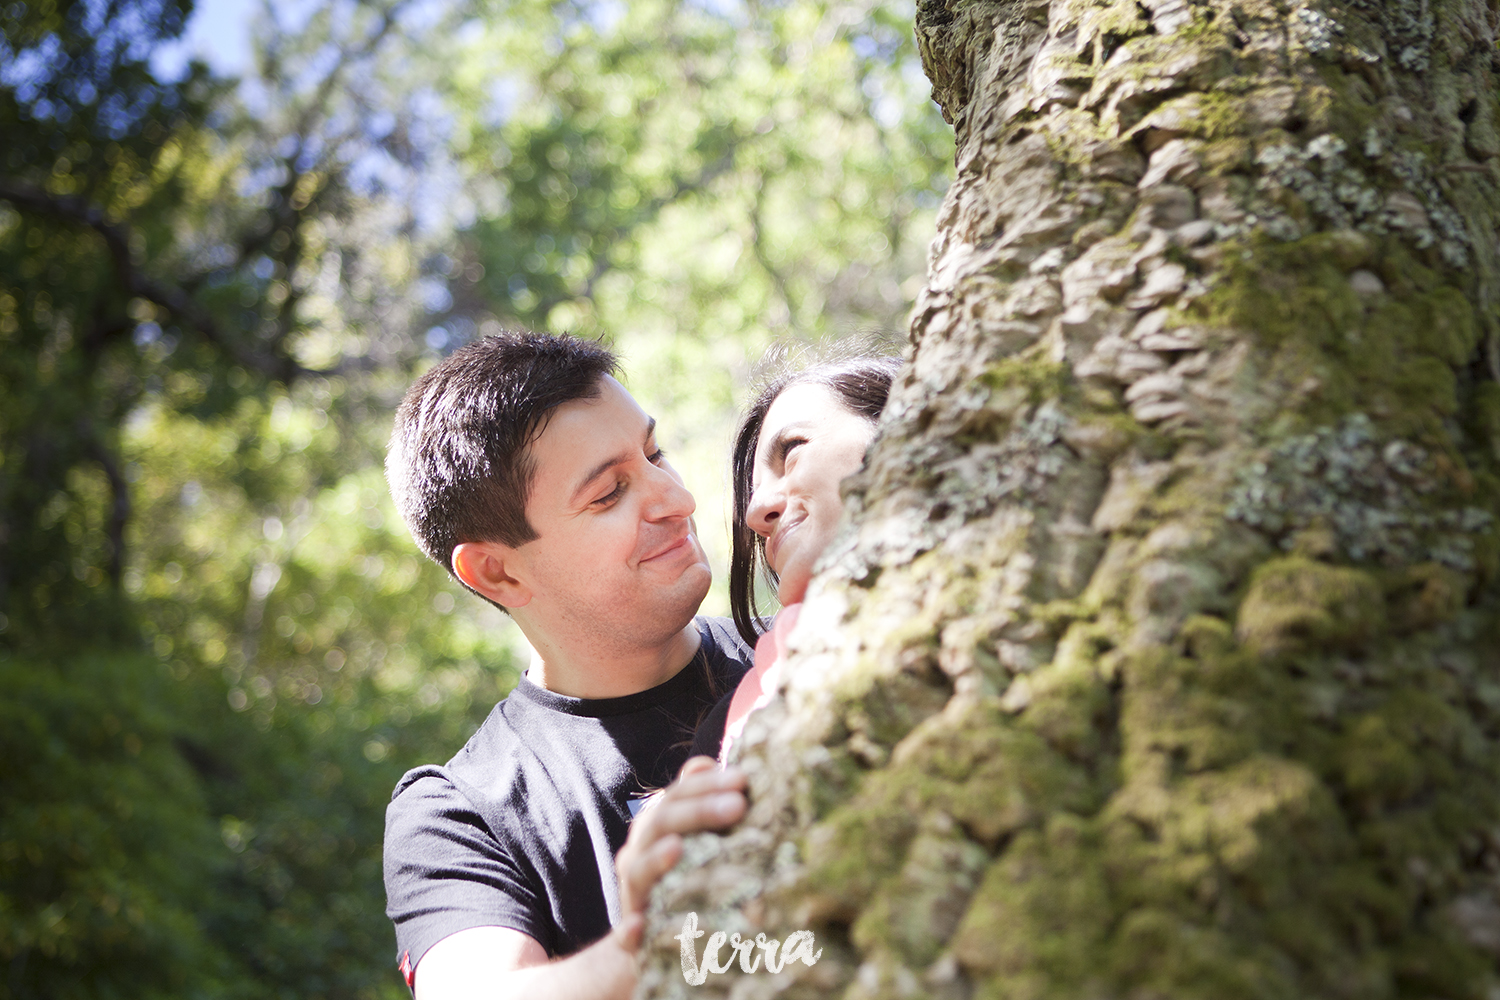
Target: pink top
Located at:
point(758, 686)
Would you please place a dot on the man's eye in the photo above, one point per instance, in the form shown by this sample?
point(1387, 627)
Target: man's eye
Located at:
point(611, 496)
point(656, 456)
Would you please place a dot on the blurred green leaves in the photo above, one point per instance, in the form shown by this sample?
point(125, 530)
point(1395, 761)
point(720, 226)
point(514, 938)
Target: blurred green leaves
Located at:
point(665, 170)
point(103, 834)
point(156, 844)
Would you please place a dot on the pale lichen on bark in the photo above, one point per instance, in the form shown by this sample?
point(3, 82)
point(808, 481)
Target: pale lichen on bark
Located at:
point(1161, 655)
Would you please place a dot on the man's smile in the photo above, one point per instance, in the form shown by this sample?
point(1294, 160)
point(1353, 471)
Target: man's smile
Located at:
point(676, 546)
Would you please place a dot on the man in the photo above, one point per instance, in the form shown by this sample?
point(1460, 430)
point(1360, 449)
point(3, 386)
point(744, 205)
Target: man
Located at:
point(524, 468)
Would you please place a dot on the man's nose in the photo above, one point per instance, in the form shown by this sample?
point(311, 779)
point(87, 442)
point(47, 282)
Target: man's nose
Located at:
point(767, 504)
point(671, 498)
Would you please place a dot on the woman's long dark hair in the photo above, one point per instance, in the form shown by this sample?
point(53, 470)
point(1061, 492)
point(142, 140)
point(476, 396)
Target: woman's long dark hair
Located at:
point(862, 384)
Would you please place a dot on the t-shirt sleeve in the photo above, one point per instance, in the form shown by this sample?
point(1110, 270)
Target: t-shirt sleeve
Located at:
point(709, 735)
point(445, 872)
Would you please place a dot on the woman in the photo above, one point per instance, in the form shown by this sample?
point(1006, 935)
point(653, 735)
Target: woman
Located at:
point(804, 433)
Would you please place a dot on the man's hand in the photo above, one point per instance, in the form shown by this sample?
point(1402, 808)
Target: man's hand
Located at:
point(702, 798)
point(498, 962)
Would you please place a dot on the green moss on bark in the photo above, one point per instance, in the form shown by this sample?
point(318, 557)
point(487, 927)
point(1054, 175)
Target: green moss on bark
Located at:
point(989, 777)
point(1263, 841)
point(1297, 604)
point(1391, 354)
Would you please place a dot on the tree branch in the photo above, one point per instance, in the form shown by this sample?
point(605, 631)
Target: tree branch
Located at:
point(119, 510)
point(650, 210)
point(284, 213)
point(284, 216)
point(174, 300)
point(778, 280)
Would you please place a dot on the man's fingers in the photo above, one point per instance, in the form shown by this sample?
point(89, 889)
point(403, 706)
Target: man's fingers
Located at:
point(697, 764)
point(684, 814)
point(629, 930)
point(702, 798)
point(640, 871)
point(704, 779)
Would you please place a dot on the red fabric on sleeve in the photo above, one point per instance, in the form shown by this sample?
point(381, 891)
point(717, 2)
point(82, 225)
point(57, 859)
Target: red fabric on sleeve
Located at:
point(758, 687)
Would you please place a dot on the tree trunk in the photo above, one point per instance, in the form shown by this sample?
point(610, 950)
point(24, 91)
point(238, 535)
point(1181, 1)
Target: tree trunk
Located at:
point(1162, 655)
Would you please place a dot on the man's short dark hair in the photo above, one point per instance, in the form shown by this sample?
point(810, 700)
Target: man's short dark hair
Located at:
point(459, 463)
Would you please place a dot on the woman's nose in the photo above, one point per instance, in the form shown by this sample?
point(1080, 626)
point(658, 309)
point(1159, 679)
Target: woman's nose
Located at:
point(767, 504)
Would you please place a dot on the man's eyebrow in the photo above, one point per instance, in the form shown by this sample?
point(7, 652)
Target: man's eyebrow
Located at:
point(609, 463)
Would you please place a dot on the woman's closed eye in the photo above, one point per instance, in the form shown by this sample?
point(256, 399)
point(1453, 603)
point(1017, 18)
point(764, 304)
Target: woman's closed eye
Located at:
point(785, 446)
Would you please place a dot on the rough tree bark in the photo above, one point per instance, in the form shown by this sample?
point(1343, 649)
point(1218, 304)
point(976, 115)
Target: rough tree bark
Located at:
point(1161, 657)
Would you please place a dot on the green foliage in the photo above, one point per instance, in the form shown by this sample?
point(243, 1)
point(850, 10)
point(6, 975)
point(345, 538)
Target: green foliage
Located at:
point(67, 145)
point(156, 844)
point(703, 174)
point(105, 835)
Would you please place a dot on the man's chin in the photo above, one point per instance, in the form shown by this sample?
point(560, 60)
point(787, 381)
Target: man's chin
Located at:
point(680, 601)
point(695, 583)
point(667, 609)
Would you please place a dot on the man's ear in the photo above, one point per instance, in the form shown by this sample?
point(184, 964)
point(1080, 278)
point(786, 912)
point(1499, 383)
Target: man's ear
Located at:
point(486, 568)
